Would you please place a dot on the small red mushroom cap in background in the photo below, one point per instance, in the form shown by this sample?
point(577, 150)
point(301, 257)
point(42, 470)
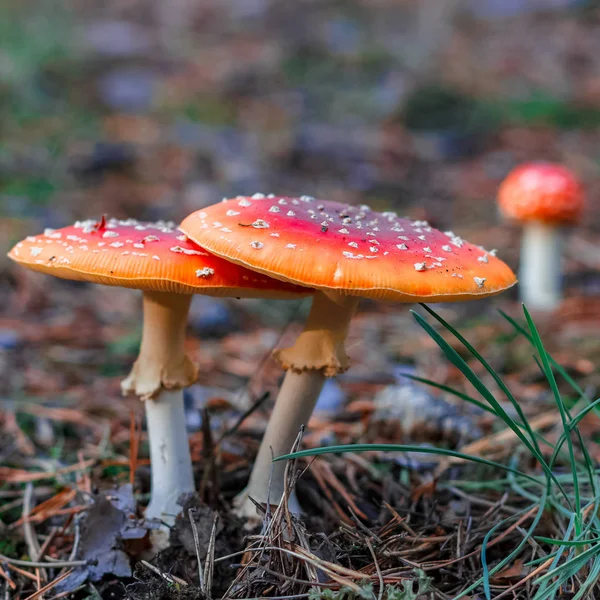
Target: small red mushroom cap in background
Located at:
point(541, 191)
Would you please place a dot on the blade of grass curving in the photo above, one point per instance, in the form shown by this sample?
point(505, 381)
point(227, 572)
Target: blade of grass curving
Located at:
point(561, 370)
point(547, 540)
point(569, 426)
point(590, 580)
point(488, 368)
point(469, 399)
point(570, 564)
point(516, 551)
point(540, 559)
point(402, 448)
point(573, 384)
point(458, 362)
point(562, 439)
point(559, 552)
point(548, 372)
point(450, 390)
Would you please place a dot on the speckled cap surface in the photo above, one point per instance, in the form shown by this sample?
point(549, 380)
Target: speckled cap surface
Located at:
point(541, 191)
point(349, 249)
point(146, 256)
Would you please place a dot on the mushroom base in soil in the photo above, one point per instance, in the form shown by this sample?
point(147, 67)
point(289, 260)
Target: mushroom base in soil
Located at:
point(158, 377)
point(318, 353)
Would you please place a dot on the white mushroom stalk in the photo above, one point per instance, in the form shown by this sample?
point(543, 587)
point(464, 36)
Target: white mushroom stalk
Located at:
point(158, 377)
point(540, 270)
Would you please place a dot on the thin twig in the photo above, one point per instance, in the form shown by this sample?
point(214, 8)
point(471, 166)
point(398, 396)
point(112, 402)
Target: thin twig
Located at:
point(191, 513)
point(209, 567)
point(49, 586)
point(377, 568)
point(165, 576)
point(42, 565)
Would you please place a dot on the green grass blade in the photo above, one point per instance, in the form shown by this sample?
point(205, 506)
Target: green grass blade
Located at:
point(489, 369)
point(402, 448)
point(458, 361)
point(561, 370)
point(554, 542)
point(549, 373)
point(450, 390)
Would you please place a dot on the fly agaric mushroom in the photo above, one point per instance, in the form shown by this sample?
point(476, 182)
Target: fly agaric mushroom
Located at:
point(542, 196)
point(158, 259)
point(345, 252)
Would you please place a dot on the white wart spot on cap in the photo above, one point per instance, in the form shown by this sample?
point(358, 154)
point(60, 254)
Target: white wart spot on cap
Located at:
point(260, 224)
point(188, 251)
point(402, 246)
point(117, 244)
point(232, 213)
point(483, 259)
point(245, 203)
point(110, 234)
point(35, 251)
point(258, 196)
point(256, 245)
point(274, 209)
point(205, 272)
point(290, 246)
point(479, 281)
point(447, 248)
point(421, 266)
point(291, 213)
point(353, 244)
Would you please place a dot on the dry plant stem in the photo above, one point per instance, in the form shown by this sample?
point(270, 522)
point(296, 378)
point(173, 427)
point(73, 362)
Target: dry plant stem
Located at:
point(318, 353)
point(540, 271)
point(159, 375)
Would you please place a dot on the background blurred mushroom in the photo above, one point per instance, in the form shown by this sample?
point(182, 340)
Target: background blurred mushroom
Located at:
point(345, 252)
point(543, 197)
point(158, 259)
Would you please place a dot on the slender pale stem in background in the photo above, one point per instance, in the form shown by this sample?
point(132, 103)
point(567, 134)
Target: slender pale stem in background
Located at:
point(540, 272)
point(158, 377)
point(318, 353)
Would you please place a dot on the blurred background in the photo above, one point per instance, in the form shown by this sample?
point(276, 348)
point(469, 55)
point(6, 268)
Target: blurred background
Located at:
point(155, 109)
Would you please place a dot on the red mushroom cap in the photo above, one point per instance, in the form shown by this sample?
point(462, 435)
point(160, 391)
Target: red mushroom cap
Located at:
point(146, 256)
point(353, 250)
point(541, 191)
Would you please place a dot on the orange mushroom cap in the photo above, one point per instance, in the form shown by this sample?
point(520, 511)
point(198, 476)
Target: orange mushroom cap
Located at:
point(146, 256)
point(349, 249)
point(541, 191)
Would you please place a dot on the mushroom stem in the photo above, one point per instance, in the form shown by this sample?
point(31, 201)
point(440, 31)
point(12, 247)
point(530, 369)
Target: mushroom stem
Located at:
point(540, 272)
point(170, 459)
point(317, 353)
point(158, 377)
